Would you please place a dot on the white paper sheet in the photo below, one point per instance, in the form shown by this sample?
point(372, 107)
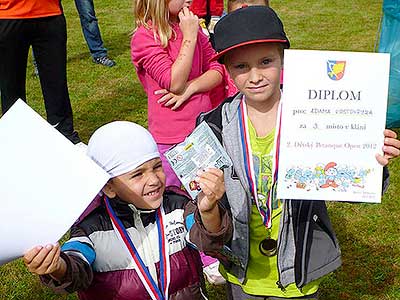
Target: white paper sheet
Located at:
point(333, 117)
point(46, 182)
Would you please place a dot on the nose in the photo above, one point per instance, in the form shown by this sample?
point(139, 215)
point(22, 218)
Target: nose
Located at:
point(153, 178)
point(254, 75)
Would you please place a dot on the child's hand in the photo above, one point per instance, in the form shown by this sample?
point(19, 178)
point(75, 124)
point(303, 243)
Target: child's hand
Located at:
point(213, 188)
point(45, 260)
point(391, 147)
point(170, 98)
point(189, 24)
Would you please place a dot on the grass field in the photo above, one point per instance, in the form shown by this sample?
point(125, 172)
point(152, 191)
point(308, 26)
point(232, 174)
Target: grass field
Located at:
point(368, 234)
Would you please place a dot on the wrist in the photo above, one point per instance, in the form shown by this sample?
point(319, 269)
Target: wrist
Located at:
point(60, 271)
point(189, 38)
point(190, 89)
point(208, 210)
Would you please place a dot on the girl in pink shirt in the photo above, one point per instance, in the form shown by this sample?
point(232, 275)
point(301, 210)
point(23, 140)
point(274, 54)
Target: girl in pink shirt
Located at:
point(171, 56)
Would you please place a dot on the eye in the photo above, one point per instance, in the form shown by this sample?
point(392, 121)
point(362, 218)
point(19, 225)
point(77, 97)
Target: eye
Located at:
point(239, 66)
point(266, 61)
point(158, 166)
point(136, 175)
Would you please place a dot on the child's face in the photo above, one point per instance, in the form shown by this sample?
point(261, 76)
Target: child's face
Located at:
point(143, 187)
point(256, 70)
point(175, 6)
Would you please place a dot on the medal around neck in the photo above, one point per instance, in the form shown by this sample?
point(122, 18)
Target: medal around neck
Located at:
point(268, 247)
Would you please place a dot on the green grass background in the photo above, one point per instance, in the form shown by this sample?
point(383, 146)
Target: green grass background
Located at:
point(368, 234)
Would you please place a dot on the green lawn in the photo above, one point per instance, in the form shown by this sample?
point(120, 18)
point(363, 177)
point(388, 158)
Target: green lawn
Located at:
point(368, 234)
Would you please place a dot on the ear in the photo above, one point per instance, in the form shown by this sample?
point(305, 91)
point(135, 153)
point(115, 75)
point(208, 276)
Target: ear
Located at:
point(109, 190)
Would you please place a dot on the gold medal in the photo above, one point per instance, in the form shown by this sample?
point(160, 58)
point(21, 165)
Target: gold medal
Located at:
point(268, 247)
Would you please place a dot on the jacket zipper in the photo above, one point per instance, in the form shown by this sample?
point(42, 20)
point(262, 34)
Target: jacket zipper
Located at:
point(304, 249)
point(278, 283)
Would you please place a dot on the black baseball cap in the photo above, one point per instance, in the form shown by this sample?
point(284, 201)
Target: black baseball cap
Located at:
point(248, 25)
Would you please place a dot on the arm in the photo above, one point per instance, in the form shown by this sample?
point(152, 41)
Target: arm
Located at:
point(67, 270)
point(189, 25)
point(391, 147)
point(213, 188)
point(203, 83)
point(212, 77)
point(46, 260)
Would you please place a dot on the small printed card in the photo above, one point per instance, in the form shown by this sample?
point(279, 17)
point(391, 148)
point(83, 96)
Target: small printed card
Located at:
point(200, 150)
point(332, 123)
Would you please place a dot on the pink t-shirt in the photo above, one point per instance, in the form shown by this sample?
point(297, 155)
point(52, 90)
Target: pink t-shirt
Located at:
point(153, 66)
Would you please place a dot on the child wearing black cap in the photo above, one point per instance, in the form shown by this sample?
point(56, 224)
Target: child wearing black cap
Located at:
point(279, 248)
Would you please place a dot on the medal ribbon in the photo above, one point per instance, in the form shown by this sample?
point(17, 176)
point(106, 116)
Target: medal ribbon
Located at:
point(151, 286)
point(265, 213)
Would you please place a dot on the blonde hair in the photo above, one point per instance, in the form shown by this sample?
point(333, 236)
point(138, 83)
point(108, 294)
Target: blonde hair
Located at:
point(236, 3)
point(154, 14)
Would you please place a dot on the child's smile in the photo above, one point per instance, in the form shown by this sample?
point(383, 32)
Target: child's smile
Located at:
point(256, 69)
point(142, 187)
point(154, 194)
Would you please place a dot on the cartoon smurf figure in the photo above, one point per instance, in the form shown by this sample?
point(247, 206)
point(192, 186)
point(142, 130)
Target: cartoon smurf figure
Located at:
point(330, 173)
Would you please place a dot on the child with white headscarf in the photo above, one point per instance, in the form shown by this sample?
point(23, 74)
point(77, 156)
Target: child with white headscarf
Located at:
point(133, 245)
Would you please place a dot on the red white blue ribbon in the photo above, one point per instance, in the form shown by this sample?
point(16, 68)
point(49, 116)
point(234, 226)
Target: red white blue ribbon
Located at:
point(151, 286)
point(265, 212)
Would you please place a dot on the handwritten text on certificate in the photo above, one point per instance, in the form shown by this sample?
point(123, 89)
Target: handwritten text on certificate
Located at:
point(333, 117)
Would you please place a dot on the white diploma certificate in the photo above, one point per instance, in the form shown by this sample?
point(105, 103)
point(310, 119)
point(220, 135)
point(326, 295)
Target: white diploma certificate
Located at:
point(332, 121)
point(46, 182)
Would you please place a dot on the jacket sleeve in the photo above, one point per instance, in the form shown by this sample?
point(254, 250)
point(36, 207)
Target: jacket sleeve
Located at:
point(78, 253)
point(148, 54)
point(203, 240)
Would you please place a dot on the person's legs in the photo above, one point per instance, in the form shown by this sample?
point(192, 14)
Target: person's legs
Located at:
point(14, 47)
point(90, 28)
point(49, 45)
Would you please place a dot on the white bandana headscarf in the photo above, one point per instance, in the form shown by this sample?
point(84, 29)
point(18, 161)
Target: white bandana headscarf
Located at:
point(121, 146)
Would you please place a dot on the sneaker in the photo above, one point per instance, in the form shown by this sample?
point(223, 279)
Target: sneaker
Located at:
point(213, 275)
point(105, 61)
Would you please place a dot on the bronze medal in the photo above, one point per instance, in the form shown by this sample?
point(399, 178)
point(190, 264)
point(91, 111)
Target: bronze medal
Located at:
point(268, 247)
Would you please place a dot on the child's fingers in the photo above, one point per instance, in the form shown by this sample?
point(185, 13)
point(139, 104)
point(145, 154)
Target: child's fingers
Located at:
point(31, 254)
point(185, 11)
point(391, 151)
point(54, 263)
point(165, 98)
point(383, 161)
point(177, 104)
point(392, 142)
point(214, 171)
point(161, 92)
point(170, 102)
point(46, 261)
point(39, 259)
point(390, 133)
point(212, 182)
point(212, 174)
